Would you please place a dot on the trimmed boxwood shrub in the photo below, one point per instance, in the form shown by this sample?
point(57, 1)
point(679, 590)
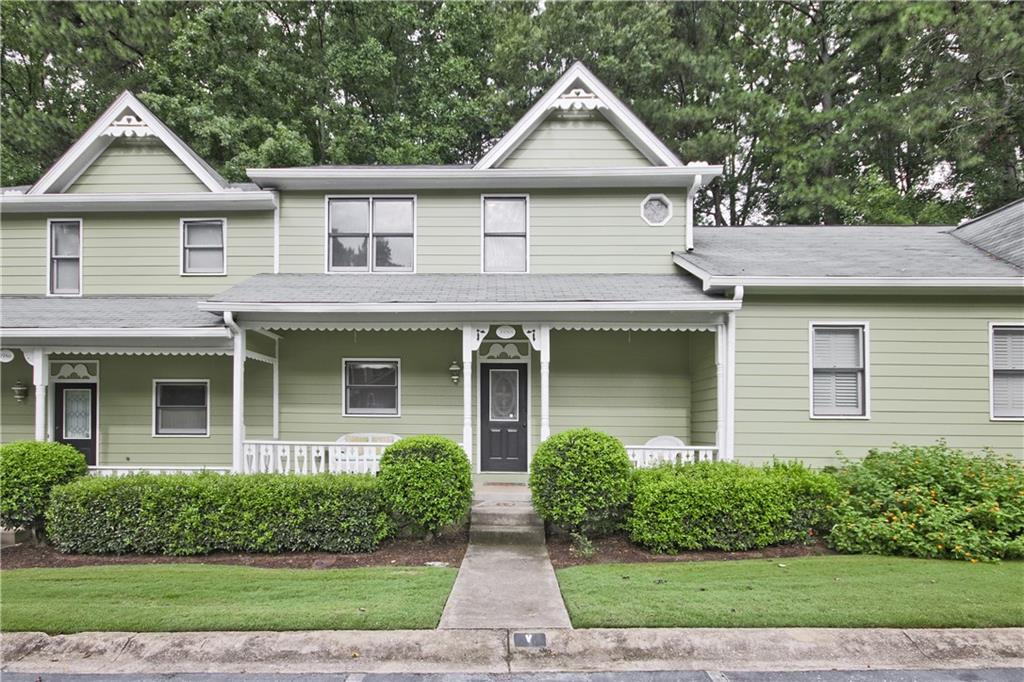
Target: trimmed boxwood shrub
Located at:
point(931, 501)
point(427, 483)
point(186, 514)
point(579, 480)
point(728, 506)
point(28, 471)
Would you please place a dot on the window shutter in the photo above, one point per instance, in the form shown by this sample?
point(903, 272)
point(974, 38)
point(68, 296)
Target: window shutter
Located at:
point(824, 393)
point(1008, 394)
point(1008, 348)
point(847, 392)
point(837, 347)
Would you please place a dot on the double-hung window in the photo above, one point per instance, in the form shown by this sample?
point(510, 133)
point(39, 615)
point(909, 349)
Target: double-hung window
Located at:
point(838, 370)
point(1007, 371)
point(181, 408)
point(505, 225)
point(371, 234)
point(65, 257)
point(202, 247)
point(371, 388)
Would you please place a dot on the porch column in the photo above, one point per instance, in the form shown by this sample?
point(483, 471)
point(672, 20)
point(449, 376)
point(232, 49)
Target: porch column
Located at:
point(40, 362)
point(721, 388)
point(540, 339)
point(237, 400)
point(730, 386)
point(472, 336)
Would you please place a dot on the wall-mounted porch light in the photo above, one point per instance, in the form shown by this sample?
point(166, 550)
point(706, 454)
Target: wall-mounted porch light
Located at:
point(455, 370)
point(20, 391)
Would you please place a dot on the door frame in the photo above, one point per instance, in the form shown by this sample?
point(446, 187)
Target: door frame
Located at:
point(51, 399)
point(529, 406)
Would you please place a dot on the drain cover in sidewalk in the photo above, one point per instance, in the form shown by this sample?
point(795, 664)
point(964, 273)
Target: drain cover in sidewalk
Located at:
point(530, 639)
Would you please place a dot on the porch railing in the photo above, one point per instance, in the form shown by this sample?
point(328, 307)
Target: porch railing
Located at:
point(646, 456)
point(306, 457)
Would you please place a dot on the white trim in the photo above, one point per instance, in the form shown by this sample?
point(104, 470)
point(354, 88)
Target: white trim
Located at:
point(259, 357)
point(370, 245)
point(277, 232)
point(398, 389)
point(209, 408)
point(528, 361)
point(49, 257)
point(483, 234)
point(617, 113)
point(865, 351)
point(663, 198)
point(93, 142)
point(52, 400)
point(275, 389)
point(483, 307)
point(147, 202)
point(181, 246)
point(116, 350)
point(353, 326)
point(116, 332)
point(991, 372)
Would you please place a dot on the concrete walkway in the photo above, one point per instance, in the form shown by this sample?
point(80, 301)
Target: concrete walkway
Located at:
point(506, 579)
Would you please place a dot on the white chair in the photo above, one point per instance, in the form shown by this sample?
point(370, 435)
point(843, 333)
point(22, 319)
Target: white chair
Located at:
point(669, 449)
point(360, 452)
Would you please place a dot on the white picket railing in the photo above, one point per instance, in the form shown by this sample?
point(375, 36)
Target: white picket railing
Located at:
point(304, 457)
point(124, 470)
point(646, 456)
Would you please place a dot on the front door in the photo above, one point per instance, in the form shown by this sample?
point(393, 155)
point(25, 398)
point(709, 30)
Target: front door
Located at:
point(74, 420)
point(503, 417)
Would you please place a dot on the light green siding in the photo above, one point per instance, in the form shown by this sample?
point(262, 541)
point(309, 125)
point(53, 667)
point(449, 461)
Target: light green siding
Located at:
point(131, 254)
point(570, 231)
point(144, 165)
point(575, 140)
point(929, 376)
point(704, 389)
point(259, 399)
point(17, 420)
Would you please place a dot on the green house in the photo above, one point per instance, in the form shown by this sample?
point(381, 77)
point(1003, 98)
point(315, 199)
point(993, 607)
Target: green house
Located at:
point(159, 317)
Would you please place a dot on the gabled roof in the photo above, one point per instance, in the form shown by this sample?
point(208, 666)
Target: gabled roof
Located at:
point(846, 256)
point(126, 117)
point(104, 312)
point(999, 232)
point(593, 95)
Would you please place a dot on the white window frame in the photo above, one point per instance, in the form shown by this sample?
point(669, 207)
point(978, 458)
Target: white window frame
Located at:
point(371, 244)
point(668, 202)
point(344, 389)
point(49, 256)
point(209, 407)
point(483, 233)
point(181, 246)
point(991, 372)
point(866, 349)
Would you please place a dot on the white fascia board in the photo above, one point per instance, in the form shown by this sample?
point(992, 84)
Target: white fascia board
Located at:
point(116, 333)
point(93, 142)
point(468, 178)
point(518, 307)
point(618, 114)
point(122, 203)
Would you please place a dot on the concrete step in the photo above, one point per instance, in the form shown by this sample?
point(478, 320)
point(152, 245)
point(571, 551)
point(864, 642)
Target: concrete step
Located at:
point(496, 516)
point(506, 535)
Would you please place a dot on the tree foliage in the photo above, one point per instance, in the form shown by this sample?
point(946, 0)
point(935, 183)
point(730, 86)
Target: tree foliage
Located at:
point(819, 111)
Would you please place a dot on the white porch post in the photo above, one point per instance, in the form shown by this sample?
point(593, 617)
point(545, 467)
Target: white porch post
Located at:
point(721, 387)
point(540, 339)
point(730, 386)
point(472, 336)
point(276, 430)
point(40, 361)
point(237, 400)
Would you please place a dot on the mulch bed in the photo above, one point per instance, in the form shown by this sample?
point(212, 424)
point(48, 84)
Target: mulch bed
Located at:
point(448, 549)
point(617, 549)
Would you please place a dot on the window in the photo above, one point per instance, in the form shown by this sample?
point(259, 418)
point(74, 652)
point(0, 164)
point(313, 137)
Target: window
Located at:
point(656, 209)
point(1007, 372)
point(838, 372)
point(181, 408)
point(371, 233)
point(505, 226)
point(371, 388)
point(202, 247)
point(65, 257)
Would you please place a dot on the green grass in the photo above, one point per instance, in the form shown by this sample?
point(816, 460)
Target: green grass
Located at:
point(177, 597)
point(824, 591)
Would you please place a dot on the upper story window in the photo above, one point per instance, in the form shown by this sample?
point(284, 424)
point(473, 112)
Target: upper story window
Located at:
point(505, 228)
point(371, 234)
point(1007, 372)
point(838, 370)
point(203, 247)
point(65, 261)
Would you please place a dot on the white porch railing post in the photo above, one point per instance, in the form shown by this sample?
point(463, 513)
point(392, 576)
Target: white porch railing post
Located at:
point(40, 361)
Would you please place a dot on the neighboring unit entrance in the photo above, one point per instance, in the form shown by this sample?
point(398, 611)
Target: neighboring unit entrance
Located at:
point(74, 420)
point(503, 416)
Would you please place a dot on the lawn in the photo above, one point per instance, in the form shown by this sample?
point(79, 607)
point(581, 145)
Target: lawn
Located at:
point(175, 597)
point(823, 591)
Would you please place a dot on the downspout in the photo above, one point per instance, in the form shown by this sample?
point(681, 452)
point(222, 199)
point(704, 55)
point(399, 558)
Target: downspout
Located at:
point(690, 196)
point(237, 391)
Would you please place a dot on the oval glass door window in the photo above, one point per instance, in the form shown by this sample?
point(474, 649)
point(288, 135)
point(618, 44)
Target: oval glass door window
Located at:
point(504, 395)
point(77, 414)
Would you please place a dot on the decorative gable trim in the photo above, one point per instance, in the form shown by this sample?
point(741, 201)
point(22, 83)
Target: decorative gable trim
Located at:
point(589, 95)
point(126, 117)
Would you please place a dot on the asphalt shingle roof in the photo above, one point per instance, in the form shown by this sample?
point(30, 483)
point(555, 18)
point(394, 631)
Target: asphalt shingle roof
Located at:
point(462, 288)
point(1000, 232)
point(104, 312)
point(841, 251)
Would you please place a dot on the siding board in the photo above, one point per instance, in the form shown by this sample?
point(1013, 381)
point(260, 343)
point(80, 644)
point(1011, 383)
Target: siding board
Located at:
point(575, 141)
point(136, 166)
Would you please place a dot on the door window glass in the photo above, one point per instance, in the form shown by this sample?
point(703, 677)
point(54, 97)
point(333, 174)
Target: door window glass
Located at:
point(77, 414)
point(504, 396)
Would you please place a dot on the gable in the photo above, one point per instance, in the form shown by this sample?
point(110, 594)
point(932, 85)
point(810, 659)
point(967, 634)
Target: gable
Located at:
point(136, 165)
point(575, 140)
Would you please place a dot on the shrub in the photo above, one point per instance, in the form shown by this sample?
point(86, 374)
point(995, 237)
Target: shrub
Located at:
point(427, 483)
point(579, 480)
point(28, 471)
point(727, 506)
point(931, 501)
point(185, 514)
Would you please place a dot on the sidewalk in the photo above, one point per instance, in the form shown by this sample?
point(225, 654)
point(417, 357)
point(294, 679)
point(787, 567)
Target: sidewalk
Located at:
point(493, 651)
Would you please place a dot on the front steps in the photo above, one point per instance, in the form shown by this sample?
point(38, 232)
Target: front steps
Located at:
point(503, 514)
